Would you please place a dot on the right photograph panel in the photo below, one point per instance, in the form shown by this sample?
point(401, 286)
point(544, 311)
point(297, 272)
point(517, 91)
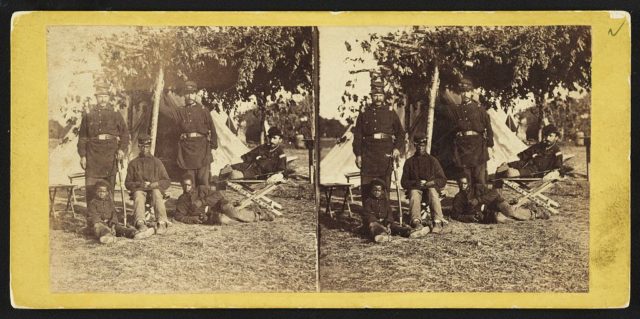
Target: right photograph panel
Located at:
point(454, 159)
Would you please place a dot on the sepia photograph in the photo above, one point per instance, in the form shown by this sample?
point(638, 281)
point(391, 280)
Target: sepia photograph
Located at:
point(454, 159)
point(320, 159)
point(179, 159)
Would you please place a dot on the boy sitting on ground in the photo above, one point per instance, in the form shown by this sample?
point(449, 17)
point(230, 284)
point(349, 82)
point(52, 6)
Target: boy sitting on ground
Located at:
point(378, 220)
point(267, 161)
point(103, 219)
point(205, 206)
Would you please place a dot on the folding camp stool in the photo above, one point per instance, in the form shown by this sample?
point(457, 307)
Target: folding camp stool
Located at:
point(349, 177)
point(521, 185)
point(328, 189)
point(71, 198)
point(257, 196)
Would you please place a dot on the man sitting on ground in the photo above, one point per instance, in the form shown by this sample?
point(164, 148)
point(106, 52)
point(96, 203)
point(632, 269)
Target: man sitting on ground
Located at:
point(480, 204)
point(267, 161)
point(537, 159)
point(205, 206)
point(422, 175)
point(146, 176)
point(103, 218)
point(378, 219)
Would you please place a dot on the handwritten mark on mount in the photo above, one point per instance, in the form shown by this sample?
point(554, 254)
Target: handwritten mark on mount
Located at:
point(613, 34)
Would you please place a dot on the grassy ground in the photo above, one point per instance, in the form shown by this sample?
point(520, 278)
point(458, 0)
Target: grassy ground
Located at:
point(533, 256)
point(263, 256)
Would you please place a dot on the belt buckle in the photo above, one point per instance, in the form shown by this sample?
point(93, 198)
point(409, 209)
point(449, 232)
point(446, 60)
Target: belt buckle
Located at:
point(377, 136)
point(102, 137)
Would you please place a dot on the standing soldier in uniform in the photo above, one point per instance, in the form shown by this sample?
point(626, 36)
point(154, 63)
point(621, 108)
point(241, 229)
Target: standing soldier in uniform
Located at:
point(103, 139)
point(473, 134)
point(377, 138)
point(197, 137)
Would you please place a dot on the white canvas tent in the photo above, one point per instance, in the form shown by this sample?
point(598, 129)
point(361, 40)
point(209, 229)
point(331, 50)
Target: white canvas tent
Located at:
point(340, 160)
point(64, 160)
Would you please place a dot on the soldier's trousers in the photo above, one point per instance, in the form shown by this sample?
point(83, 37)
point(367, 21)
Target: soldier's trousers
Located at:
point(200, 175)
point(90, 186)
point(415, 203)
point(475, 174)
point(139, 201)
point(230, 215)
point(101, 229)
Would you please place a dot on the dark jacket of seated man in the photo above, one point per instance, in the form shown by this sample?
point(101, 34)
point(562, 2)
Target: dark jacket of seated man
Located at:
point(422, 175)
point(263, 160)
point(537, 159)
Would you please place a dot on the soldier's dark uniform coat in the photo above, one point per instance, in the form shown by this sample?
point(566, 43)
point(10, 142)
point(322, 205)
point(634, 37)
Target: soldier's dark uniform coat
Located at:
point(538, 158)
point(262, 160)
point(376, 160)
point(101, 154)
point(471, 150)
point(195, 152)
point(422, 167)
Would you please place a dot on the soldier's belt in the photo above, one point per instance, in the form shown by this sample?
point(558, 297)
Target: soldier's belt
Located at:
point(467, 133)
point(103, 137)
point(188, 135)
point(379, 136)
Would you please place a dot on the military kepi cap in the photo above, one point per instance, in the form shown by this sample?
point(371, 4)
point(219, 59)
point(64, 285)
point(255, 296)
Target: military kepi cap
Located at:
point(274, 131)
point(419, 139)
point(467, 82)
point(377, 84)
point(190, 86)
point(144, 139)
point(550, 129)
point(102, 90)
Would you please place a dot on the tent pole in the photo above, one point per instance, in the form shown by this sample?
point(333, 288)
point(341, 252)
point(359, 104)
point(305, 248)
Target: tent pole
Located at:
point(433, 92)
point(157, 94)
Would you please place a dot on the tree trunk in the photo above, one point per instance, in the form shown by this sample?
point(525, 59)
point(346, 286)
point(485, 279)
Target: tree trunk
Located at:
point(540, 103)
point(433, 93)
point(314, 169)
point(157, 95)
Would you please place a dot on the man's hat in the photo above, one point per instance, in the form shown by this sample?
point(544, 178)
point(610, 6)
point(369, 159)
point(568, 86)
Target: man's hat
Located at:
point(378, 182)
point(102, 183)
point(190, 87)
point(467, 82)
point(144, 139)
point(550, 129)
point(102, 90)
point(274, 131)
point(419, 139)
point(377, 84)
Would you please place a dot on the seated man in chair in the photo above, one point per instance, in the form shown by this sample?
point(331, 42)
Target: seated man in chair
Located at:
point(537, 159)
point(205, 206)
point(267, 161)
point(146, 176)
point(422, 175)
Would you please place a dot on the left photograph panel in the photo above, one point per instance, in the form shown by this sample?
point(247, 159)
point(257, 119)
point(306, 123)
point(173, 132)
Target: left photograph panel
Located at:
point(179, 159)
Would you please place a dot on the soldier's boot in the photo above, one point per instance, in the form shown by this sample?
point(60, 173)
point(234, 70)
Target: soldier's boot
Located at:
point(144, 234)
point(161, 228)
point(265, 216)
point(107, 238)
point(438, 226)
point(380, 238)
point(418, 230)
point(141, 225)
